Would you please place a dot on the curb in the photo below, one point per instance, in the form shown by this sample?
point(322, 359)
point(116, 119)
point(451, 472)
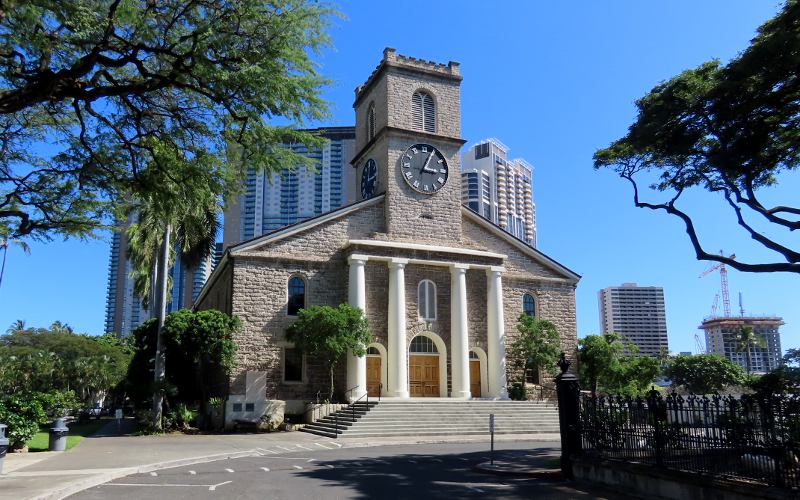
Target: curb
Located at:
point(92, 481)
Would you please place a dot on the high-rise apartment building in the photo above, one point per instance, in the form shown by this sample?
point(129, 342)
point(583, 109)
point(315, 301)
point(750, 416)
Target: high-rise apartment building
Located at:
point(124, 310)
point(499, 188)
point(272, 201)
point(637, 314)
point(721, 335)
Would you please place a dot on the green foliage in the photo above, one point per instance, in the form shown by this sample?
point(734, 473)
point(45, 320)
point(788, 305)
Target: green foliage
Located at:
point(518, 392)
point(792, 357)
point(57, 359)
point(327, 333)
point(607, 364)
point(704, 373)
point(784, 379)
point(199, 350)
point(729, 129)
point(23, 413)
point(537, 347)
point(113, 87)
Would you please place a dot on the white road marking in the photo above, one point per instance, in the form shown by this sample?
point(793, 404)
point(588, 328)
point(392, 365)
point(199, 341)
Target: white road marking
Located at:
point(211, 487)
point(265, 469)
point(335, 444)
point(476, 489)
point(267, 451)
point(437, 460)
point(310, 460)
point(329, 466)
point(284, 448)
point(412, 461)
point(214, 487)
point(229, 470)
point(289, 458)
point(322, 446)
point(464, 459)
point(192, 472)
point(154, 474)
point(303, 447)
point(297, 467)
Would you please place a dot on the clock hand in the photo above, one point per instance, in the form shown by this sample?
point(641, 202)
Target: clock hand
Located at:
point(425, 167)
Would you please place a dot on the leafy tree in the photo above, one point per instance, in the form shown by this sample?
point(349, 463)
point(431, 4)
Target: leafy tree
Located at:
point(598, 356)
point(45, 360)
point(537, 347)
point(783, 379)
point(199, 351)
point(109, 85)
point(704, 373)
point(729, 129)
point(328, 333)
point(745, 340)
point(792, 357)
point(607, 363)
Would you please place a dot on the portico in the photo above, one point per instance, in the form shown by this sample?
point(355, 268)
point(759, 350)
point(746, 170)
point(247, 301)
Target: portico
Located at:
point(458, 262)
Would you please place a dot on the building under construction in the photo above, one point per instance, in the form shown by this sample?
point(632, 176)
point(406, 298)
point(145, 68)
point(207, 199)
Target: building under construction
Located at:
point(721, 332)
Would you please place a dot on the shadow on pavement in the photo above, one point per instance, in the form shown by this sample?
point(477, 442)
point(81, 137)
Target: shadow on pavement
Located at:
point(421, 476)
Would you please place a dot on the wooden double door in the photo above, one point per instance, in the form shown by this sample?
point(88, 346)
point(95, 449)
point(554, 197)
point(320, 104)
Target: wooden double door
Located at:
point(374, 376)
point(475, 377)
point(423, 375)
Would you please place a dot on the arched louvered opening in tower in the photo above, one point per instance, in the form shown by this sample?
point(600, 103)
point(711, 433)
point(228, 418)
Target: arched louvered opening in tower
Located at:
point(423, 112)
point(371, 122)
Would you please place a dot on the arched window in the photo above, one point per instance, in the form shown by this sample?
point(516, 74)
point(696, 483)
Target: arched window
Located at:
point(297, 296)
point(528, 305)
point(371, 122)
point(473, 355)
point(373, 351)
point(422, 344)
point(426, 300)
point(423, 112)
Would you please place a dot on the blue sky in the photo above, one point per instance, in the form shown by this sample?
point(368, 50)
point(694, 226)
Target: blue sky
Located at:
point(554, 81)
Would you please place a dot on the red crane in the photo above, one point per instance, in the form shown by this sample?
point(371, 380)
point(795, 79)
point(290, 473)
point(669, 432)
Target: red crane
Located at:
point(723, 276)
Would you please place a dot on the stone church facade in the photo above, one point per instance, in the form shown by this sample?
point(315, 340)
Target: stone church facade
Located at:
point(442, 287)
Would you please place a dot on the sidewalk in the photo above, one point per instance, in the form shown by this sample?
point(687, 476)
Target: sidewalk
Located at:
point(108, 455)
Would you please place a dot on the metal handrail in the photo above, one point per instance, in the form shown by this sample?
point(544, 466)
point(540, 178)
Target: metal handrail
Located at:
point(348, 391)
point(353, 405)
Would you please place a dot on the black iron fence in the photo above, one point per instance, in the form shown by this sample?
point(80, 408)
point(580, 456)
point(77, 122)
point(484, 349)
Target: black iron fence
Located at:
point(747, 437)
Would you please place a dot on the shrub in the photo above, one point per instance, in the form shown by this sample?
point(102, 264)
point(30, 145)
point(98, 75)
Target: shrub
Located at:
point(518, 392)
point(23, 413)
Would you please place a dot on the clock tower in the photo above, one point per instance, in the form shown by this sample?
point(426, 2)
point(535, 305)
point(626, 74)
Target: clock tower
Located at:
point(408, 137)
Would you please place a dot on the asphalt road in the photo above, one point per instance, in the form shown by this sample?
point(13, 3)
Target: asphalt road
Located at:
point(388, 472)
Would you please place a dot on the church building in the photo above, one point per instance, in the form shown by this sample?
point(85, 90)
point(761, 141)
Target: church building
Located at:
point(441, 287)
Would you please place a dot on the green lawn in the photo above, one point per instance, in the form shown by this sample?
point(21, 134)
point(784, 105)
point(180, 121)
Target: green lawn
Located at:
point(40, 441)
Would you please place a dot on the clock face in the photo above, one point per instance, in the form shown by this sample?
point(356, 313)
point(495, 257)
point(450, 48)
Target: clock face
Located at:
point(424, 168)
point(369, 179)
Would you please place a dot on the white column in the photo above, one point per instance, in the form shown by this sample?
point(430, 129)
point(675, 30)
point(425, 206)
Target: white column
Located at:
point(496, 333)
point(398, 359)
point(357, 365)
point(459, 341)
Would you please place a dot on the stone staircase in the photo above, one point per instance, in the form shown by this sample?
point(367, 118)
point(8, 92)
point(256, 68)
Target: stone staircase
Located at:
point(438, 417)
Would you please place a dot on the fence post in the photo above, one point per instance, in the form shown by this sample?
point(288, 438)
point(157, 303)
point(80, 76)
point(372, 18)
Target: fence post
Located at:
point(569, 392)
point(654, 406)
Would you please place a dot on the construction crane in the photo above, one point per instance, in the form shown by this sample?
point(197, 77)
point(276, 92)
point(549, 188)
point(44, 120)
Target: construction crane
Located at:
point(698, 345)
point(723, 276)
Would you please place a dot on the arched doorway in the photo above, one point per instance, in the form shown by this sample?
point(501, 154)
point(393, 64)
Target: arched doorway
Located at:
point(474, 374)
point(374, 371)
point(423, 367)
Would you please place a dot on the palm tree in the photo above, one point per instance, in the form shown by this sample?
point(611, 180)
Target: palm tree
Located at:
point(4, 243)
point(745, 340)
point(59, 327)
point(187, 217)
point(17, 326)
